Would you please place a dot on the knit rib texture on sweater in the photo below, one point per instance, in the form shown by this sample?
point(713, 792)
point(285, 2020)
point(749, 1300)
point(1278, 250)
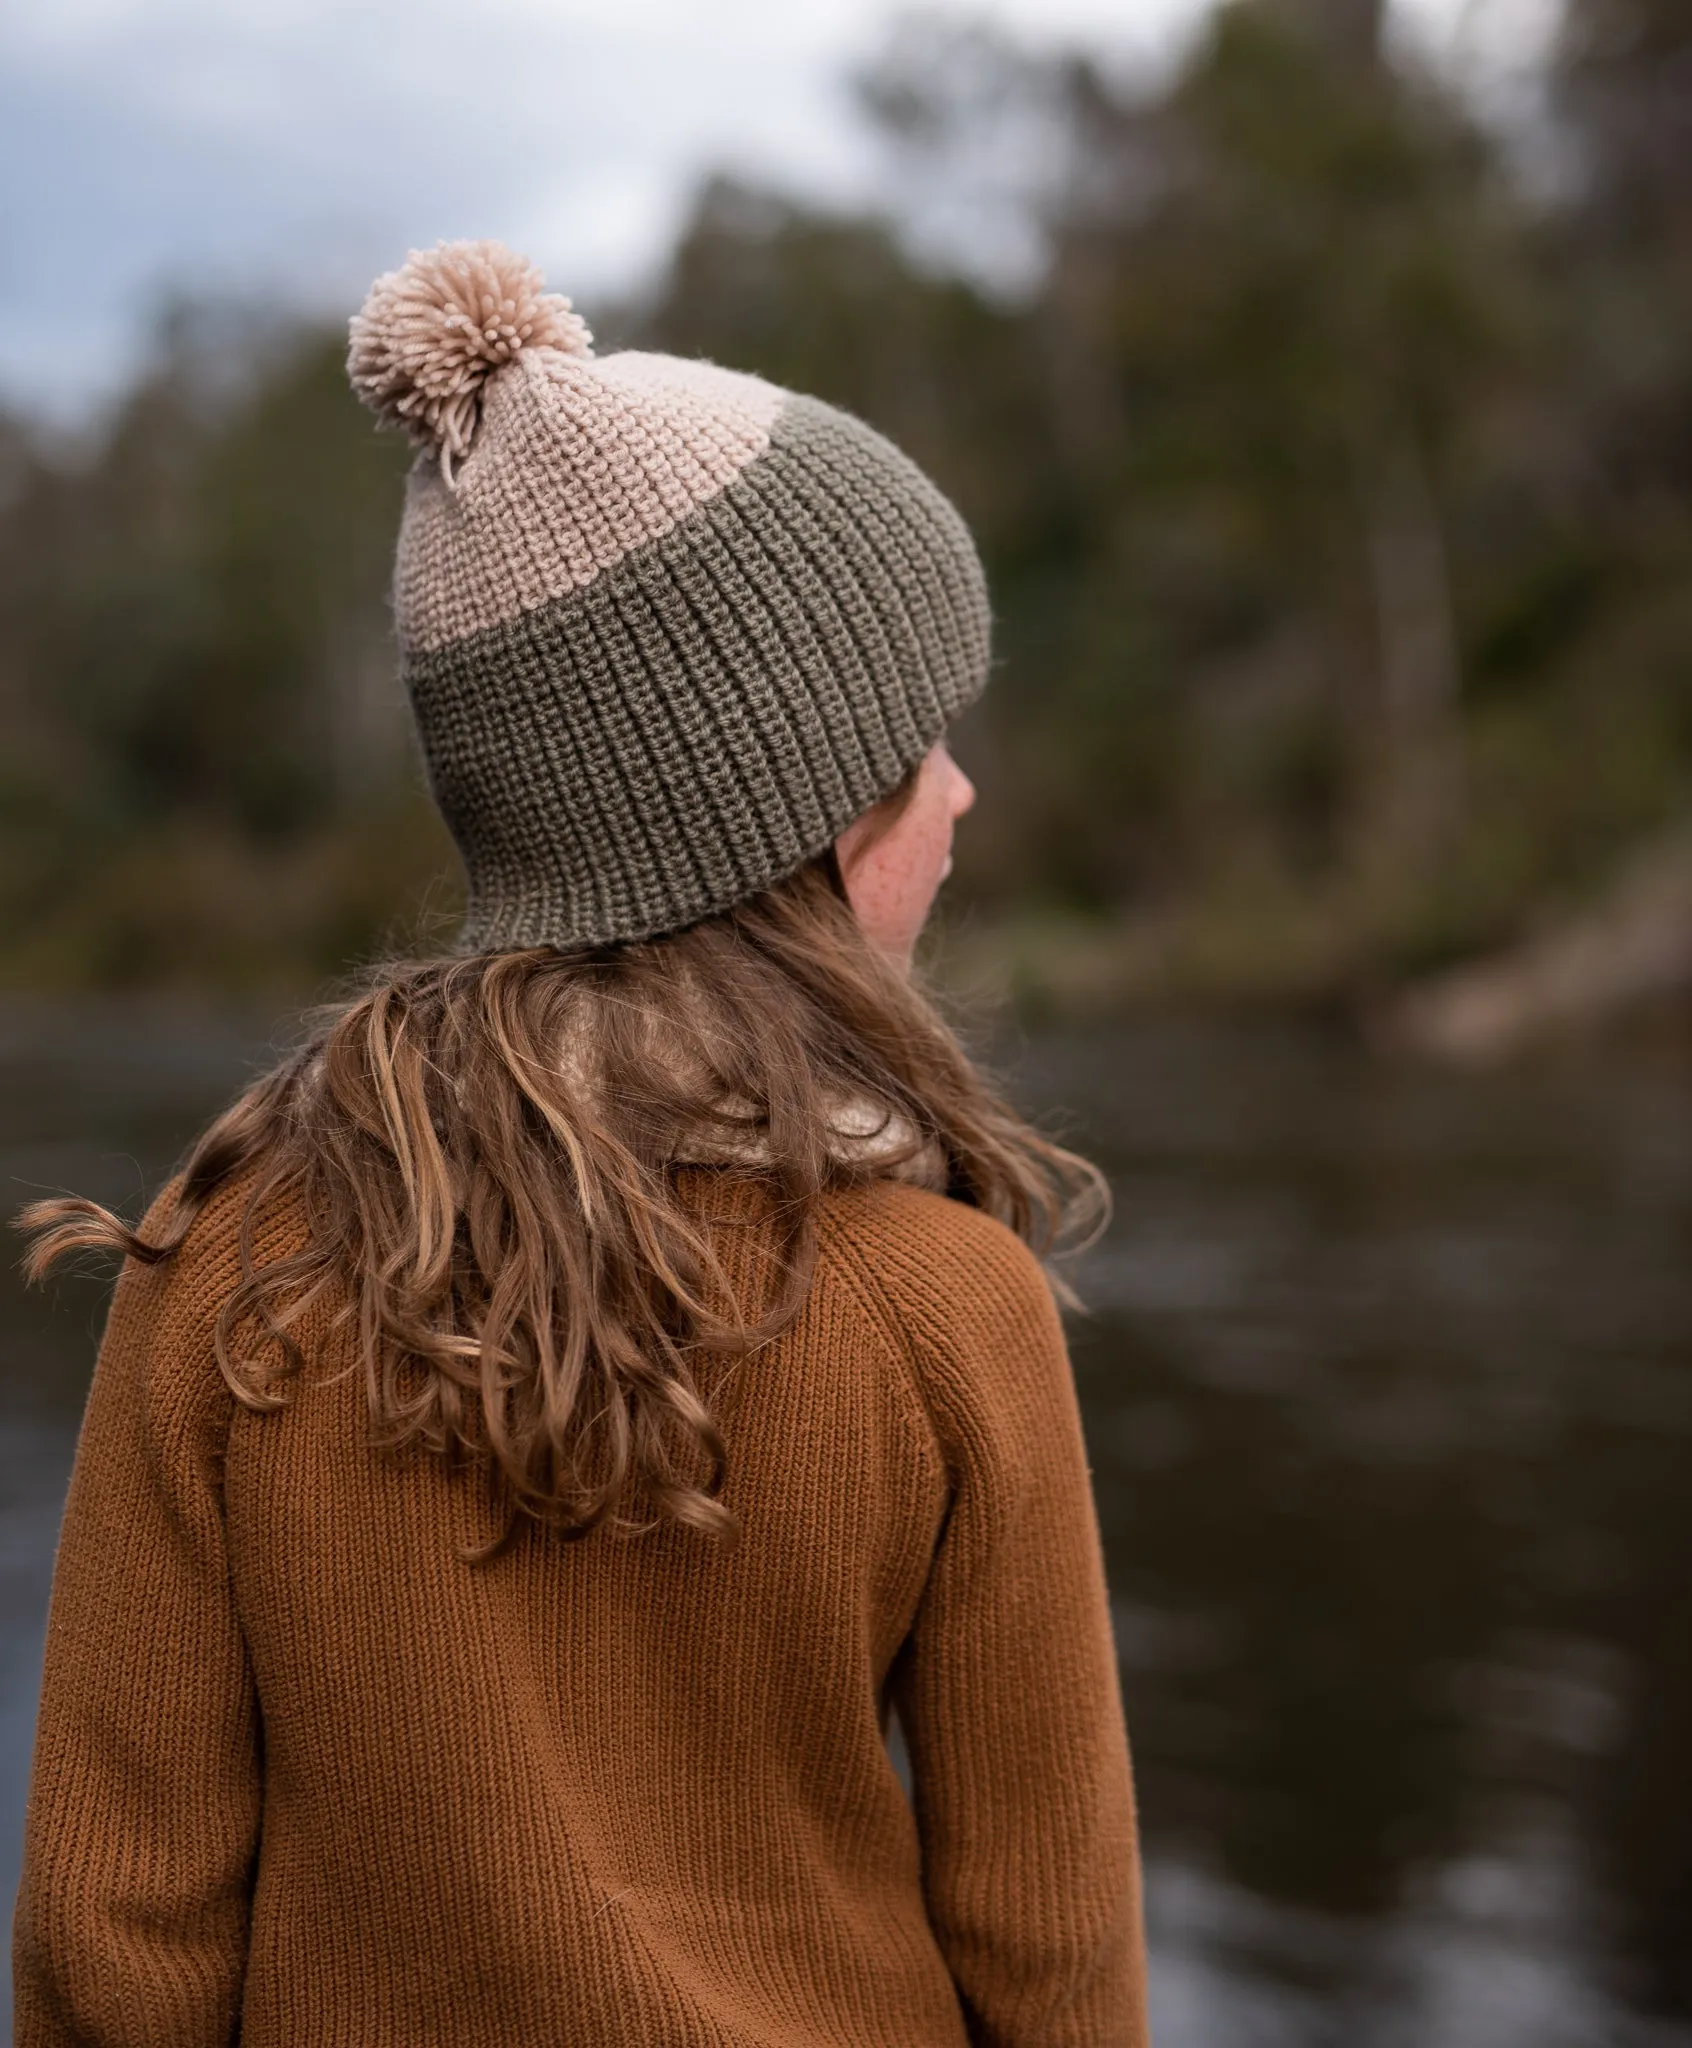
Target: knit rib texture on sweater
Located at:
point(303, 1777)
point(666, 628)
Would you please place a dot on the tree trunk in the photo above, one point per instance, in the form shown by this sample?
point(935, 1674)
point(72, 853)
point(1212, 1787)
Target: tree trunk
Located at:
point(1419, 678)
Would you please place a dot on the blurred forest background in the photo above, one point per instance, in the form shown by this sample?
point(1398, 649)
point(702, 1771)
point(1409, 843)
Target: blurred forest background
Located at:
point(1331, 454)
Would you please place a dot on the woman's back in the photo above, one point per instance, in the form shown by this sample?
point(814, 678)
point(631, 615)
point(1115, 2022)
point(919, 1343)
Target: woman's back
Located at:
point(610, 1790)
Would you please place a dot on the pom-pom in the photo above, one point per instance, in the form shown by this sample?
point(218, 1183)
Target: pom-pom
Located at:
point(434, 331)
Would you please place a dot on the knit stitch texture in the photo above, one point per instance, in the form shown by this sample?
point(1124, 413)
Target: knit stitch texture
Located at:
point(302, 1777)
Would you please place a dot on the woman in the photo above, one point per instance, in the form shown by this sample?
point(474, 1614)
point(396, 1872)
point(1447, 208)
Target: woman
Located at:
point(556, 1418)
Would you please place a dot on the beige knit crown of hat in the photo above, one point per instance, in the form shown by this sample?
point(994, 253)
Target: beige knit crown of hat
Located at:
point(666, 628)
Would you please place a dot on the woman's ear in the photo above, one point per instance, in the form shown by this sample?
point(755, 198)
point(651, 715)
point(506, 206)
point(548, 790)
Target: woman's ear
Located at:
point(893, 864)
point(875, 823)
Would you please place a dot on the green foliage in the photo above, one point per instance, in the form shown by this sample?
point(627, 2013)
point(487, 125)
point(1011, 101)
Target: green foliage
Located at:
point(1333, 484)
point(199, 702)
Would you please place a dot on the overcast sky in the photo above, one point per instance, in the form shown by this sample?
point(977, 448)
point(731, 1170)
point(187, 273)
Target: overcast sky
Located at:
point(292, 148)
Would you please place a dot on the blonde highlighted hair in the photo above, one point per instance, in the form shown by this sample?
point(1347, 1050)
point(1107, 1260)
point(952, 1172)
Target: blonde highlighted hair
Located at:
point(486, 1153)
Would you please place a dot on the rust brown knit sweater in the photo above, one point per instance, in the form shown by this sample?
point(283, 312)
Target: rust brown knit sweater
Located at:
point(303, 1777)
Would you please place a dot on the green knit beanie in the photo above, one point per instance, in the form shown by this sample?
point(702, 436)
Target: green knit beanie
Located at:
point(666, 629)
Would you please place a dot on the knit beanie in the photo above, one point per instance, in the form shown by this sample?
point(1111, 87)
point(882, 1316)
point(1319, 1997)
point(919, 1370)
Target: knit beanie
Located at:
point(666, 628)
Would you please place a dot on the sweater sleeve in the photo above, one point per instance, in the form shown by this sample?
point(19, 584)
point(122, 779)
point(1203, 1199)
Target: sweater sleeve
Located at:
point(142, 1822)
point(1007, 1686)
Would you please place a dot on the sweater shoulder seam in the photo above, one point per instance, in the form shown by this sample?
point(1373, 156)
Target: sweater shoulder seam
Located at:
point(859, 1275)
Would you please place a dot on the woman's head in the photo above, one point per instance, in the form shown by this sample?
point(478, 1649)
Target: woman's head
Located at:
point(667, 629)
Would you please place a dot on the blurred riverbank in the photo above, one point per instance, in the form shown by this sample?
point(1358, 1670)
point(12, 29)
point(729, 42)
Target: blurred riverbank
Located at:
point(191, 921)
point(1615, 961)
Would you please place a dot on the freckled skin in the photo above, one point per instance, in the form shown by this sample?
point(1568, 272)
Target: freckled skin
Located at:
point(891, 880)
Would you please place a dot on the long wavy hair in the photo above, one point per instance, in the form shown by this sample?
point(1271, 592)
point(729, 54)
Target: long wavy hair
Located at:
point(484, 1151)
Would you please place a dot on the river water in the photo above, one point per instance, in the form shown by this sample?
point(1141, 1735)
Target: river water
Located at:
point(1387, 1378)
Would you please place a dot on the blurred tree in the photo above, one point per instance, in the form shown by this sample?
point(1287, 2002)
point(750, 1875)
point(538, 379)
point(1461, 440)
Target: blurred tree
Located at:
point(1278, 300)
point(1333, 485)
point(198, 671)
point(1624, 78)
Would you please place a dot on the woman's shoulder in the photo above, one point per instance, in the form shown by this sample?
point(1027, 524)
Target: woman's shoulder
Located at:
point(973, 1312)
point(164, 1311)
point(208, 1260)
point(953, 1274)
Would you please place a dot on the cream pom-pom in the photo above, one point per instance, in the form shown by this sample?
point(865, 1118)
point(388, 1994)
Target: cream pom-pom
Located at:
point(432, 333)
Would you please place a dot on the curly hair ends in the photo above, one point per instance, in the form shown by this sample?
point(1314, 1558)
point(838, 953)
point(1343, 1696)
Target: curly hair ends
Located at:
point(486, 1151)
